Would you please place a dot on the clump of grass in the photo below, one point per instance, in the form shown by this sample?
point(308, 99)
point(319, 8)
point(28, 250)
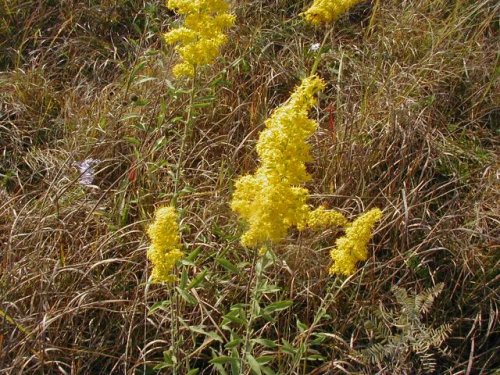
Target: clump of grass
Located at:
point(406, 122)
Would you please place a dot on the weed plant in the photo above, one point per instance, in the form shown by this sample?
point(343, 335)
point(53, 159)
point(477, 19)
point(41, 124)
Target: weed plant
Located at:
point(407, 122)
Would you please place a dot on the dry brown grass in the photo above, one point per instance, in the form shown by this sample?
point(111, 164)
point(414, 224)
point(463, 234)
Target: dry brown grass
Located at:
point(409, 123)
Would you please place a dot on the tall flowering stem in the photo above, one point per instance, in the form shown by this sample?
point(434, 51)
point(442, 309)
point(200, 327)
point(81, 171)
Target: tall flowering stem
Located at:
point(199, 40)
point(272, 200)
point(327, 11)
point(164, 251)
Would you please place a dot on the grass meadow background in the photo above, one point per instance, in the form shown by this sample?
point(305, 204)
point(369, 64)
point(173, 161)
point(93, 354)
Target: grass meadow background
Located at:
point(409, 123)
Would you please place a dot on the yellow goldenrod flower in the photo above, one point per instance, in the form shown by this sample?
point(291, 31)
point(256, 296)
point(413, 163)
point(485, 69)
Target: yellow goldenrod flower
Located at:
point(325, 11)
point(322, 218)
point(352, 247)
point(164, 251)
point(271, 200)
point(198, 42)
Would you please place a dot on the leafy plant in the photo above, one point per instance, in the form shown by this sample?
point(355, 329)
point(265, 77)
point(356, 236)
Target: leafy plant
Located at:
point(401, 340)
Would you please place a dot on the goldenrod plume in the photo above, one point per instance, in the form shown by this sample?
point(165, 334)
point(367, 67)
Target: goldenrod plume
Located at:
point(272, 199)
point(325, 11)
point(164, 251)
point(352, 247)
point(198, 42)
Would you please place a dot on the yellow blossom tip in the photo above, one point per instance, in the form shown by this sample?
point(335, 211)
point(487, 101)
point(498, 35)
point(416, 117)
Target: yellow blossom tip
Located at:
point(164, 251)
point(200, 39)
point(272, 200)
point(327, 11)
point(352, 247)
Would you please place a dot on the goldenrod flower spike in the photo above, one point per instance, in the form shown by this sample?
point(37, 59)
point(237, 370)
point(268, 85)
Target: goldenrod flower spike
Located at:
point(326, 11)
point(271, 200)
point(322, 218)
point(352, 247)
point(198, 42)
point(164, 251)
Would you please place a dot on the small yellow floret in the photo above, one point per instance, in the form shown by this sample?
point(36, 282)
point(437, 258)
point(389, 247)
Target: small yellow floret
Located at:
point(164, 251)
point(326, 11)
point(198, 42)
point(352, 247)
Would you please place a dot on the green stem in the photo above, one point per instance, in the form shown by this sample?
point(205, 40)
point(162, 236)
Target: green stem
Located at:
point(186, 132)
point(174, 307)
point(255, 298)
point(372, 18)
point(320, 54)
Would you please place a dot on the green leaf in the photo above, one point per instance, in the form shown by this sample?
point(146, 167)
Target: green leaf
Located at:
point(212, 334)
point(223, 360)
point(254, 365)
point(233, 343)
point(132, 140)
point(186, 296)
point(228, 265)
point(130, 116)
point(193, 371)
point(158, 305)
point(301, 326)
point(265, 342)
point(193, 254)
point(263, 359)
point(234, 316)
point(144, 79)
point(197, 280)
point(266, 288)
point(184, 279)
point(278, 306)
point(267, 371)
point(315, 357)
point(288, 348)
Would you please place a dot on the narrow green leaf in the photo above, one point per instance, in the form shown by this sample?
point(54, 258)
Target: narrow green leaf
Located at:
point(228, 265)
point(254, 365)
point(222, 360)
point(156, 306)
point(265, 342)
point(263, 359)
point(184, 279)
point(233, 343)
point(288, 348)
point(278, 306)
point(197, 280)
point(144, 79)
point(193, 254)
point(301, 326)
point(267, 371)
point(186, 296)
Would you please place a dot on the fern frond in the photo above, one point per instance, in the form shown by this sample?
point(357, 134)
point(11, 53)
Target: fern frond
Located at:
point(413, 337)
point(438, 335)
point(378, 326)
point(427, 297)
point(428, 362)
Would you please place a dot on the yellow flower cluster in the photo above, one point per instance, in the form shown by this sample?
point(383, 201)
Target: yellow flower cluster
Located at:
point(325, 11)
point(164, 251)
point(322, 218)
point(198, 42)
point(271, 200)
point(352, 247)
